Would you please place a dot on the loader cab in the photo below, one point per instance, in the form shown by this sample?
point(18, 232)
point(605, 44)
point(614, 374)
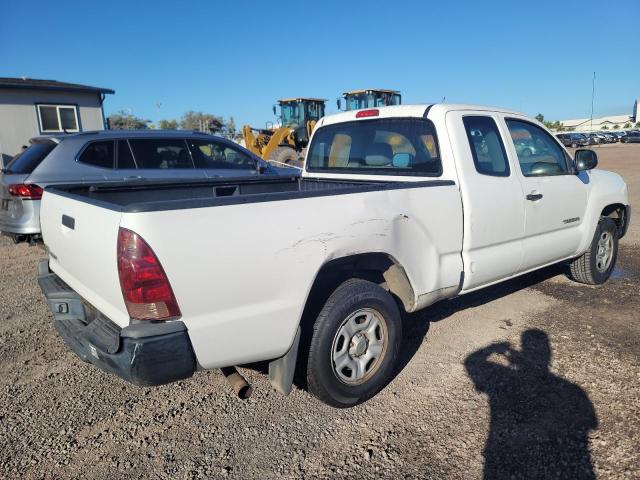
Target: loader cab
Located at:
point(297, 112)
point(369, 98)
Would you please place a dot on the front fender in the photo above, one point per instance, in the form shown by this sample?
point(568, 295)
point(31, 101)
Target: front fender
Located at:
point(606, 188)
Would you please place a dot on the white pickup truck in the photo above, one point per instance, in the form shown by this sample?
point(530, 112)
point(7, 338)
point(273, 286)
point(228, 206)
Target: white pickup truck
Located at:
point(397, 208)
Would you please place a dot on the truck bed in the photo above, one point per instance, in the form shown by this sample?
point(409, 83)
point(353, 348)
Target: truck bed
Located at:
point(180, 194)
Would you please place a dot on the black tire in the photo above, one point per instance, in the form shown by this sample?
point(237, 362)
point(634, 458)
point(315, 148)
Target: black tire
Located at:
point(351, 297)
point(587, 268)
point(285, 155)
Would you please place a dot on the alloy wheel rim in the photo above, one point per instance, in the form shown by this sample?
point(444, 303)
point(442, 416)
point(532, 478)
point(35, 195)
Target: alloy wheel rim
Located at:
point(359, 346)
point(604, 254)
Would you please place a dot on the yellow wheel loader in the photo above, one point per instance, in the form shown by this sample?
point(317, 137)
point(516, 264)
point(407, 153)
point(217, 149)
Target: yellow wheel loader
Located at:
point(369, 98)
point(286, 143)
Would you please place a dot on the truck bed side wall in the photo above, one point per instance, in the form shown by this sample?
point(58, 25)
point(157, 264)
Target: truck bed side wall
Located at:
point(242, 273)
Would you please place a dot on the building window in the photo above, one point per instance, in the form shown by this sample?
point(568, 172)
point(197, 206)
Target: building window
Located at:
point(58, 118)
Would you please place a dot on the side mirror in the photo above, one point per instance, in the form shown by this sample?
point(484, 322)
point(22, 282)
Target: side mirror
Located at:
point(261, 167)
point(401, 160)
point(274, 110)
point(585, 159)
point(339, 104)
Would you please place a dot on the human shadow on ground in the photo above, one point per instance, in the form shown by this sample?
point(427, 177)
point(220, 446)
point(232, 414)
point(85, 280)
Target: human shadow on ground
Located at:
point(539, 421)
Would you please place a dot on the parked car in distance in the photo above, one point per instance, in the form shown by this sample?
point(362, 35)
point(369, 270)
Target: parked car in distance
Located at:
point(220, 275)
point(619, 134)
point(631, 137)
point(610, 137)
point(115, 155)
point(596, 138)
point(573, 139)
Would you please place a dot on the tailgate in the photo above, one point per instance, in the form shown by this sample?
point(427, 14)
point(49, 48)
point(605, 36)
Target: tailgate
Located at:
point(82, 239)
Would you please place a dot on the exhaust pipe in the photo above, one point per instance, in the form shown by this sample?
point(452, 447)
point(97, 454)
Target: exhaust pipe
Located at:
point(238, 382)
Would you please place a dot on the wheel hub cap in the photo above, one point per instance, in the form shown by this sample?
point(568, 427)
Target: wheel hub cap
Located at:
point(359, 346)
point(604, 253)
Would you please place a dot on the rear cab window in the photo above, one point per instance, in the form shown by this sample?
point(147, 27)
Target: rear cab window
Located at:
point(28, 160)
point(384, 146)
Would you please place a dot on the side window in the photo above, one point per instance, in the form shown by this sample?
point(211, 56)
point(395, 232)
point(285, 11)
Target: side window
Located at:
point(125, 159)
point(98, 154)
point(486, 145)
point(215, 155)
point(538, 153)
point(161, 153)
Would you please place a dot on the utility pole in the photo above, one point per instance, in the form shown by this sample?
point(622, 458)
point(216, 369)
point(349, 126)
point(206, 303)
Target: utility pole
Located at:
point(593, 93)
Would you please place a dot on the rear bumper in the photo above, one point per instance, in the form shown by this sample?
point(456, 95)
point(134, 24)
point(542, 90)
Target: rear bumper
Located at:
point(144, 354)
point(22, 218)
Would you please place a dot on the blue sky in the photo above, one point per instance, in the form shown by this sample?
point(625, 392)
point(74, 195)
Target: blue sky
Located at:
point(233, 58)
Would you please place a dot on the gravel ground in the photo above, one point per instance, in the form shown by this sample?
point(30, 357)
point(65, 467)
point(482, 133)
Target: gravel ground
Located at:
point(535, 378)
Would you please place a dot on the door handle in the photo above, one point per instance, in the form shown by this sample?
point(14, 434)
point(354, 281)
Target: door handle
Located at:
point(534, 197)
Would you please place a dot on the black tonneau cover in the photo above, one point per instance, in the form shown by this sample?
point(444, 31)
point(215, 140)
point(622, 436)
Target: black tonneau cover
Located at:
point(151, 196)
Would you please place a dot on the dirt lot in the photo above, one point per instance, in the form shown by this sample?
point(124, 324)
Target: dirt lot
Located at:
point(449, 413)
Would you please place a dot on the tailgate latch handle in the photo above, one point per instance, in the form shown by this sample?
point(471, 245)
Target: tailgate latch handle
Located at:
point(69, 222)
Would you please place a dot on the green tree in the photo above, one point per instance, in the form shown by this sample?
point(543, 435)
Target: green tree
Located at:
point(604, 127)
point(230, 130)
point(616, 126)
point(540, 118)
point(202, 122)
point(627, 125)
point(637, 124)
point(126, 121)
point(168, 124)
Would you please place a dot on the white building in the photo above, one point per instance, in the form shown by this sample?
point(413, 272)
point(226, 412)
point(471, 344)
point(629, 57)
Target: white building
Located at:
point(611, 122)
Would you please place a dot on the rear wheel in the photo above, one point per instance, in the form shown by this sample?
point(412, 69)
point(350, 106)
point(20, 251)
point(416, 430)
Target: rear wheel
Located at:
point(354, 344)
point(594, 267)
point(284, 155)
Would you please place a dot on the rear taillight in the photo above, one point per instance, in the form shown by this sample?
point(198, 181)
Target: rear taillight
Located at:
point(26, 191)
point(145, 287)
point(374, 112)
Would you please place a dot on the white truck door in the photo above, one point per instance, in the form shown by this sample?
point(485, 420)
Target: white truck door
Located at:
point(555, 197)
point(492, 198)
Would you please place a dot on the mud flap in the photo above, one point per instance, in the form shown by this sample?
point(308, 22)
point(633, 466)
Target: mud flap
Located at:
point(281, 370)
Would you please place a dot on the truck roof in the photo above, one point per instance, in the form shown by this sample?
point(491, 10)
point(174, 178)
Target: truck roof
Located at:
point(417, 110)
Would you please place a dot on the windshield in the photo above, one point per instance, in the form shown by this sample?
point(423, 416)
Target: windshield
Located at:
point(390, 146)
point(292, 114)
point(359, 101)
point(297, 114)
point(27, 160)
point(315, 111)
